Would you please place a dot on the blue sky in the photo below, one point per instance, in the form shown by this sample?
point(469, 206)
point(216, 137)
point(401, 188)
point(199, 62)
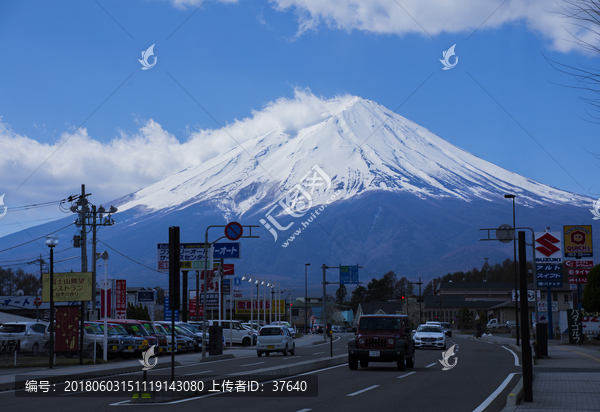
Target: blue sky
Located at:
point(76, 62)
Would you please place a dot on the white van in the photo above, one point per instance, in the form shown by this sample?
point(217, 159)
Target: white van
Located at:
point(233, 331)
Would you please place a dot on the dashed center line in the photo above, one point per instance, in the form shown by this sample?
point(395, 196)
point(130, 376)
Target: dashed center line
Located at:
point(405, 375)
point(429, 366)
point(362, 390)
point(252, 364)
point(317, 353)
point(196, 373)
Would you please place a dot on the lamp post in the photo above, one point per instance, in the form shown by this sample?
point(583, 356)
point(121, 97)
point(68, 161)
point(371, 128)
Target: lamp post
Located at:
point(511, 196)
point(51, 241)
point(266, 285)
point(306, 265)
point(104, 256)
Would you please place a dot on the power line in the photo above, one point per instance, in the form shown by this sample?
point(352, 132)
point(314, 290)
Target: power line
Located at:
point(127, 257)
point(14, 247)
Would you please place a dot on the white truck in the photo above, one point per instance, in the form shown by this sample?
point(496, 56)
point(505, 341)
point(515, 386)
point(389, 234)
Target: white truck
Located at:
point(493, 324)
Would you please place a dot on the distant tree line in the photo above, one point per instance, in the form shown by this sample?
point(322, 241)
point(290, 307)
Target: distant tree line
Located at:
point(13, 280)
point(386, 288)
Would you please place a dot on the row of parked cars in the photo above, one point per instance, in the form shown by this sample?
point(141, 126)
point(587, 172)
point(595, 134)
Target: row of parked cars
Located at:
point(125, 338)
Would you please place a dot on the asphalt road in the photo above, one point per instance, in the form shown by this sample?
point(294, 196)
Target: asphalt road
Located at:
point(480, 370)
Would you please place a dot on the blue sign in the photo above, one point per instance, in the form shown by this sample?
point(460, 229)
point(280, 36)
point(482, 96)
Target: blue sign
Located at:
point(348, 275)
point(548, 267)
point(229, 250)
point(168, 312)
point(549, 275)
point(146, 296)
point(549, 283)
point(226, 286)
point(237, 281)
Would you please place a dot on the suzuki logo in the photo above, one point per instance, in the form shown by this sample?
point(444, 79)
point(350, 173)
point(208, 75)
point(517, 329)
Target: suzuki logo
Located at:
point(547, 241)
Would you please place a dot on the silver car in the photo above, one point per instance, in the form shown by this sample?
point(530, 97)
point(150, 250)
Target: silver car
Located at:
point(29, 334)
point(275, 339)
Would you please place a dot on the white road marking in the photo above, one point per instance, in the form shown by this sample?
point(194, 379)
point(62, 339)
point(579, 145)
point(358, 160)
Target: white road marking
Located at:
point(317, 353)
point(429, 366)
point(304, 410)
point(252, 364)
point(362, 390)
point(515, 355)
point(405, 375)
point(196, 373)
point(491, 398)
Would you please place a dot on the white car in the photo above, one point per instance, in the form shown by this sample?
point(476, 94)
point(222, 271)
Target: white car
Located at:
point(275, 339)
point(430, 336)
point(29, 334)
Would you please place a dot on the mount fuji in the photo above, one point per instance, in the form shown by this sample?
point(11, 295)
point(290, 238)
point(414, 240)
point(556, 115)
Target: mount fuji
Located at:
point(357, 184)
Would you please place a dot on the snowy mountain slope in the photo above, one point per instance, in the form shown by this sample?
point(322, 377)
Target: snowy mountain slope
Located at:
point(362, 146)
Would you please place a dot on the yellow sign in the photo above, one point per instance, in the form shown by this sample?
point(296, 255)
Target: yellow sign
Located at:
point(578, 241)
point(68, 287)
point(242, 307)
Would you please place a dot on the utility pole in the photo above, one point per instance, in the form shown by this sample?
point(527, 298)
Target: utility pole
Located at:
point(420, 300)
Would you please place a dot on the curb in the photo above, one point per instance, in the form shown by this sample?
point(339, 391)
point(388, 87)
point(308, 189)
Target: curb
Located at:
point(513, 398)
point(271, 373)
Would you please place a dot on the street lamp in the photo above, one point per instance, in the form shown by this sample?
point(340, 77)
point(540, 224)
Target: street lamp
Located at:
point(511, 196)
point(51, 241)
point(306, 265)
point(104, 256)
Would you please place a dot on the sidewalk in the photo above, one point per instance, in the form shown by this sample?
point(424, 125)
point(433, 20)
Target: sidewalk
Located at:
point(567, 380)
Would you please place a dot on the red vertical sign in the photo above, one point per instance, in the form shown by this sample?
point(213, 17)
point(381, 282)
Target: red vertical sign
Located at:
point(67, 329)
point(121, 299)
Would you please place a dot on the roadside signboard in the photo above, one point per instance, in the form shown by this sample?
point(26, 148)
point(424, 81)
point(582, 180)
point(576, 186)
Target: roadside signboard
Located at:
point(191, 254)
point(575, 326)
point(574, 280)
point(106, 302)
point(145, 296)
point(243, 306)
point(211, 298)
point(68, 287)
point(543, 306)
point(590, 322)
point(228, 269)
point(549, 283)
point(229, 250)
point(548, 248)
point(549, 275)
point(578, 241)
point(237, 293)
point(530, 295)
point(582, 264)
point(226, 286)
point(168, 313)
point(348, 275)
point(237, 281)
point(121, 299)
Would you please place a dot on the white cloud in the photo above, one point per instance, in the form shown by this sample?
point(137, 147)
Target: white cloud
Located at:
point(431, 17)
point(135, 159)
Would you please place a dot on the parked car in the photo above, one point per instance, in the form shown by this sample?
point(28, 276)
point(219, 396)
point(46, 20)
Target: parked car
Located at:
point(233, 332)
point(493, 324)
point(115, 342)
point(254, 332)
point(158, 333)
point(30, 335)
point(512, 324)
point(275, 339)
point(198, 326)
point(317, 328)
point(126, 341)
point(430, 336)
point(185, 343)
point(136, 329)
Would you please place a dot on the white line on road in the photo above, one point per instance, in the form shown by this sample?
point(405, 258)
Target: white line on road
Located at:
point(491, 398)
point(429, 366)
point(252, 364)
point(304, 410)
point(196, 373)
point(514, 354)
point(317, 353)
point(362, 390)
point(405, 375)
